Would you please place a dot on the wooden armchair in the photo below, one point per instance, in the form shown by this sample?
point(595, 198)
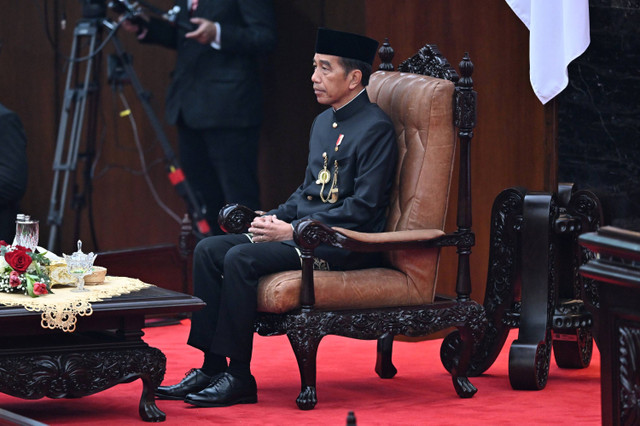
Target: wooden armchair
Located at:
point(399, 298)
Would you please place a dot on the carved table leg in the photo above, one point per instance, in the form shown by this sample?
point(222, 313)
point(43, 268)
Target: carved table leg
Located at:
point(147, 408)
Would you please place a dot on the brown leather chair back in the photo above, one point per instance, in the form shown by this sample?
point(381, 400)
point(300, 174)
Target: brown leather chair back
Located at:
point(421, 108)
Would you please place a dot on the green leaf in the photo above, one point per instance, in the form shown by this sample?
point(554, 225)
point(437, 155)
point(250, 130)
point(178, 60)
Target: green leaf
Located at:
point(30, 282)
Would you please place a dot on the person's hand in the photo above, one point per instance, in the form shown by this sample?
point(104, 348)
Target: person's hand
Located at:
point(205, 33)
point(270, 228)
point(127, 25)
point(137, 24)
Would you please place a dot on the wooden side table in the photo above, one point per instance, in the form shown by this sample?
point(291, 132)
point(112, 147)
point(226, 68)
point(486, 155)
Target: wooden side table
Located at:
point(612, 293)
point(106, 349)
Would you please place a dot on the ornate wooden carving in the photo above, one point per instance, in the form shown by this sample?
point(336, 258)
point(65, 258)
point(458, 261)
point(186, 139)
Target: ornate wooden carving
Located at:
point(305, 329)
point(559, 305)
point(235, 218)
point(500, 291)
point(72, 374)
point(572, 323)
point(466, 98)
point(629, 355)
point(410, 321)
point(430, 61)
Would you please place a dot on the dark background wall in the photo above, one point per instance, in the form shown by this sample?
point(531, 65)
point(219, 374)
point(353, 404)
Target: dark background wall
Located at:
point(513, 141)
point(599, 113)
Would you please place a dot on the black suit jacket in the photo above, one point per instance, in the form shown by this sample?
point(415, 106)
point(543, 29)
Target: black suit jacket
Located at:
point(13, 171)
point(211, 87)
point(366, 162)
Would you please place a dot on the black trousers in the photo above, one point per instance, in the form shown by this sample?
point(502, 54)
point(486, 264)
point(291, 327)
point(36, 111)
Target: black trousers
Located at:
point(226, 271)
point(221, 167)
point(225, 325)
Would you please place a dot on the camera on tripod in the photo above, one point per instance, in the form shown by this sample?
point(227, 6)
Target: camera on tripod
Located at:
point(80, 96)
point(123, 7)
point(94, 9)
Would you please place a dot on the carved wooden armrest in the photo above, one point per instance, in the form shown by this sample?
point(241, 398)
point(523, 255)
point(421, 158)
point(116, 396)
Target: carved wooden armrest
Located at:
point(235, 218)
point(309, 234)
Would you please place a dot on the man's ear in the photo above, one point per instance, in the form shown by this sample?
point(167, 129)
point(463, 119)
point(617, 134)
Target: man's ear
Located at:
point(355, 78)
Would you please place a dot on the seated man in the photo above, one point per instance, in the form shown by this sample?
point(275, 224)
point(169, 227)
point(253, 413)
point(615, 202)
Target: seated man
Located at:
point(351, 164)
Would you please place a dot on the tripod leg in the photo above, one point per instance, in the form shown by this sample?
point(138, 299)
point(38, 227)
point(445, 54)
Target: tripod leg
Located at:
point(74, 104)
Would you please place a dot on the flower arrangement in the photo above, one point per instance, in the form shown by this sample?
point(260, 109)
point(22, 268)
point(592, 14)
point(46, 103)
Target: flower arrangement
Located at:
point(23, 271)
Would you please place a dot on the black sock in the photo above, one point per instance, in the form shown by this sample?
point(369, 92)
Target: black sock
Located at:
point(213, 364)
point(239, 369)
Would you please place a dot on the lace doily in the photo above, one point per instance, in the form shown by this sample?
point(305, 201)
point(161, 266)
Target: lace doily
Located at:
point(61, 309)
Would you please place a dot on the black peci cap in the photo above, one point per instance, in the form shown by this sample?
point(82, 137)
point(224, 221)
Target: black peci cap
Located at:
point(346, 45)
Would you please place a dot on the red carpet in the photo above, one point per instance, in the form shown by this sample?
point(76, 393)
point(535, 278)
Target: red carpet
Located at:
point(420, 394)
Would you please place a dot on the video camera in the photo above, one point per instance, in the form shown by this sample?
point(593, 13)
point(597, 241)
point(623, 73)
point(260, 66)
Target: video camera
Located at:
point(94, 9)
point(124, 6)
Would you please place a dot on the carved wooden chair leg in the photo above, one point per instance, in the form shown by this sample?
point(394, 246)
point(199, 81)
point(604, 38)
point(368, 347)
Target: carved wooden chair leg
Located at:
point(459, 349)
point(305, 346)
point(384, 365)
point(460, 366)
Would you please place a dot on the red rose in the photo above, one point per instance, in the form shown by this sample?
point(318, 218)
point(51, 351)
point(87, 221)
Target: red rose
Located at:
point(3, 243)
point(18, 259)
point(14, 279)
point(39, 288)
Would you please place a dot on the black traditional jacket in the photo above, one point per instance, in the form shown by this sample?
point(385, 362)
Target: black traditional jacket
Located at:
point(360, 146)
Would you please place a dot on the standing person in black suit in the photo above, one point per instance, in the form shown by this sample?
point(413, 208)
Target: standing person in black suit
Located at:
point(347, 183)
point(215, 97)
point(13, 170)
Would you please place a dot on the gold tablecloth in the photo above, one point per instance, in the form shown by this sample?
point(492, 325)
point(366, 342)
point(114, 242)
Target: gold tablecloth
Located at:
point(61, 309)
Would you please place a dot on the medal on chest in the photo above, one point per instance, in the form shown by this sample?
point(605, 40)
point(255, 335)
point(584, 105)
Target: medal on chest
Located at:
point(324, 177)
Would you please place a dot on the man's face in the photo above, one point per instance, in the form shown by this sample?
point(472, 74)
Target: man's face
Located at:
point(330, 84)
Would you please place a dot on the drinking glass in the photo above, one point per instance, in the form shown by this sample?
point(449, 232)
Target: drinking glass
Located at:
point(27, 233)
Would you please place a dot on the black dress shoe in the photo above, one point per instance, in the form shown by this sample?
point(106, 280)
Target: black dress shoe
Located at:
point(194, 381)
point(225, 390)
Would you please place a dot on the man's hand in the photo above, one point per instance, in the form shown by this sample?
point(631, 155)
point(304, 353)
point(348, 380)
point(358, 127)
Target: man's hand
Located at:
point(127, 25)
point(136, 24)
point(270, 228)
point(205, 33)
